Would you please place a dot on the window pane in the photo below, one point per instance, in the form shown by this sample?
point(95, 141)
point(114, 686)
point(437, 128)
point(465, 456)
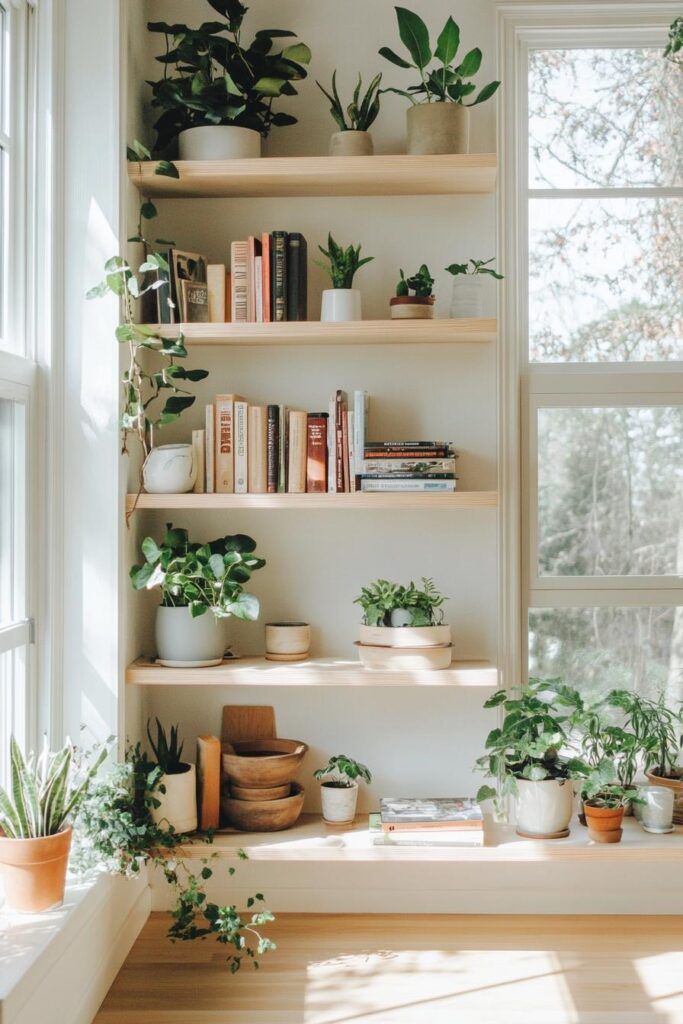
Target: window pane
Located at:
point(13, 704)
point(4, 70)
point(604, 117)
point(604, 279)
point(12, 510)
point(610, 491)
point(596, 649)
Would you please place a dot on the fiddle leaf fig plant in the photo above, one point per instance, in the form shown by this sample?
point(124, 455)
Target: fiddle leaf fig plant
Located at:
point(446, 81)
point(341, 771)
point(362, 113)
point(379, 599)
point(343, 264)
point(474, 267)
point(420, 284)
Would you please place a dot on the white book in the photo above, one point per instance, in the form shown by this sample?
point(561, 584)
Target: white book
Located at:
point(241, 450)
point(215, 285)
point(210, 454)
point(407, 485)
point(258, 288)
point(331, 447)
point(352, 462)
point(361, 406)
point(282, 450)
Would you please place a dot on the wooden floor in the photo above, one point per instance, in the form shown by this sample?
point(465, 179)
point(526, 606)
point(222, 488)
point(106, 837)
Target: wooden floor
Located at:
point(414, 969)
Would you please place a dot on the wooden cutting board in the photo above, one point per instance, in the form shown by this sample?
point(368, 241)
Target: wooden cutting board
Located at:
point(248, 722)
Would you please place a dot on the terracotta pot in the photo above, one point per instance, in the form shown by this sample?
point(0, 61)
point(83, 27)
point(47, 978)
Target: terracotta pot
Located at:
point(34, 871)
point(412, 307)
point(351, 143)
point(438, 128)
point(604, 823)
point(677, 786)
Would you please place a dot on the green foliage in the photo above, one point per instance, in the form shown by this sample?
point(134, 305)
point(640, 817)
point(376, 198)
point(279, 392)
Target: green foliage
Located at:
point(445, 83)
point(343, 771)
point(599, 788)
point(658, 730)
point(675, 44)
point(343, 263)
point(379, 599)
point(362, 112)
point(167, 753)
point(420, 284)
point(210, 78)
point(45, 791)
point(200, 576)
point(474, 267)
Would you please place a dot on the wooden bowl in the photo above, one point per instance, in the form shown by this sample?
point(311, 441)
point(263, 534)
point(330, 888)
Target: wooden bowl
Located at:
point(405, 659)
point(263, 815)
point(263, 763)
point(260, 793)
point(405, 636)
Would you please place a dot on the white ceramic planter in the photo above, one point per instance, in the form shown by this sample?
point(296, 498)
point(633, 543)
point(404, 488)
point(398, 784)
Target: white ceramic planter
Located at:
point(287, 641)
point(544, 808)
point(340, 304)
point(657, 811)
point(468, 296)
point(405, 636)
point(186, 642)
point(219, 142)
point(339, 804)
point(438, 128)
point(178, 805)
point(351, 144)
point(170, 469)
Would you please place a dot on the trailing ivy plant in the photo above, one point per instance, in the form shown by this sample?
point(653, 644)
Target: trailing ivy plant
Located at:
point(211, 78)
point(420, 284)
point(343, 264)
point(446, 82)
point(341, 771)
point(380, 598)
point(474, 267)
point(362, 113)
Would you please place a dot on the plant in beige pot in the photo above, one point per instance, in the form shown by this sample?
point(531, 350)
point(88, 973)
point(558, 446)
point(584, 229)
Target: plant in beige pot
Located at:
point(438, 118)
point(403, 626)
point(414, 299)
point(35, 824)
point(468, 292)
point(177, 794)
point(342, 301)
point(339, 788)
point(353, 137)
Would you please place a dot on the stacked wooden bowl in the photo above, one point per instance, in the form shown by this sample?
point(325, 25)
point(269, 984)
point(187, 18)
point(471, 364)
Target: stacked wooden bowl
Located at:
point(405, 648)
point(259, 794)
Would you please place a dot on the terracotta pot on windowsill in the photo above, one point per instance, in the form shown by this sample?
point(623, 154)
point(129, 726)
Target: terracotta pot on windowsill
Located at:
point(34, 871)
point(604, 823)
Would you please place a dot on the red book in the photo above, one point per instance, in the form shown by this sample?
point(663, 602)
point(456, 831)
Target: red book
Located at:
point(265, 274)
point(316, 453)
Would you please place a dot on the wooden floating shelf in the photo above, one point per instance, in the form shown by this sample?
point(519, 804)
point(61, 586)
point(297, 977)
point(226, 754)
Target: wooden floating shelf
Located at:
point(316, 672)
point(321, 176)
point(465, 331)
point(403, 501)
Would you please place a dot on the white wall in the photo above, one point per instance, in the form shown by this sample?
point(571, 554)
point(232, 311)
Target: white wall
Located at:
point(419, 741)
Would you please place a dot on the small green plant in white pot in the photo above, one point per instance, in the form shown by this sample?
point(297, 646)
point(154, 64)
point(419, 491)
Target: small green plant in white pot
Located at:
point(414, 299)
point(342, 301)
point(201, 586)
point(403, 627)
point(339, 788)
point(177, 794)
point(468, 293)
point(353, 137)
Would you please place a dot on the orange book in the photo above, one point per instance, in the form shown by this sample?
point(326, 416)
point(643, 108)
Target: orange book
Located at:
point(224, 429)
point(208, 782)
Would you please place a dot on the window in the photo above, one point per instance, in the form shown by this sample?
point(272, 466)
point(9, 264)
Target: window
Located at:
point(596, 194)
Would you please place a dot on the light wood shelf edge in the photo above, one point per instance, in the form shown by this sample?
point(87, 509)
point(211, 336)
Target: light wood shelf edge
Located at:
point(383, 501)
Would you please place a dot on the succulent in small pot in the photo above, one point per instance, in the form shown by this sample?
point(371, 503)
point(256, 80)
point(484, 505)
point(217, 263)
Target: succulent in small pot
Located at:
point(353, 137)
point(35, 823)
point(420, 304)
point(468, 294)
point(175, 806)
point(339, 789)
point(195, 580)
point(396, 615)
point(342, 301)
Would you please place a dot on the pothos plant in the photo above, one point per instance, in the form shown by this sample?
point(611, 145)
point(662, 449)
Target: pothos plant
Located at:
point(474, 267)
point(420, 284)
point(341, 771)
point(379, 599)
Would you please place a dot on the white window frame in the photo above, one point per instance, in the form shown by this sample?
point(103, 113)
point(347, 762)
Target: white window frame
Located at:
point(523, 386)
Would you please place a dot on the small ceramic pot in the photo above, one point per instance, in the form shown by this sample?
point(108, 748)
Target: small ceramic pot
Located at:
point(656, 813)
point(438, 128)
point(34, 871)
point(544, 808)
point(183, 641)
point(351, 143)
point(178, 805)
point(468, 296)
point(170, 469)
point(604, 823)
point(288, 641)
point(676, 787)
point(340, 304)
point(219, 142)
point(412, 307)
point(339, 803)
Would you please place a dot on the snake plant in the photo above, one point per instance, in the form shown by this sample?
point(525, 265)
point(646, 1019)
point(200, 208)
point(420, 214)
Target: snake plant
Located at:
point(343, 263)
point(44, 791)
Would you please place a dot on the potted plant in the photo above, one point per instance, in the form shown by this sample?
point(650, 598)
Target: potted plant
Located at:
point(342, 301)
point(604, 803)
point(339, 789)
point(196, 579)
point(353, 138)
point(468, 299)
point(403, 626)
point(35, 824)
point(438, 118)
point(177, 803)
point(419, 305)
point(528, 755)
point(216, 96)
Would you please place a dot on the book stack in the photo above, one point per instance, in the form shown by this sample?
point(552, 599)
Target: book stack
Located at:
point(448, 821)
point(408, 466)
point(269, 278)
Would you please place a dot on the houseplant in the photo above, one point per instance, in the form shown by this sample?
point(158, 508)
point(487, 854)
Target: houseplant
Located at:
point(341, 301)
point(419, 305)
point(529, 756)
point(403, 626)
point(604, 803)
point(216, 96)
point(35, 824)
point(177, 782)
point(195, 579)
point(339, 789)
point(438, 118)
point(604, 740)
point(353, 138)
point(468, 298)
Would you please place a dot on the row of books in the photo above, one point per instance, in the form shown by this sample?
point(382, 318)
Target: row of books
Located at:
point(456, 821)
point(267, 281)
point(409, 466)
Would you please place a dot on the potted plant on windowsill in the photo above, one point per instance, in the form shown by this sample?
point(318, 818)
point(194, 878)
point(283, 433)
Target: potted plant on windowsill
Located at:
point(35, 824)
point(339, 789)
point(342, 301)
point(201, 586)
point(353, 138)
point(216, 96)
point(419, 305)
point(403, 626)
point(438, 118)
point(468, 299)
point(177, 801)
point(605, 802)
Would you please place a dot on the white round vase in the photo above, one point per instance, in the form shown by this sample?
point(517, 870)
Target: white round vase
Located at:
point(339, 803)
point(544, 808)
point(178, 805)
point(170, 469)
point(340, 304)
point(186, 642)
point(468, 296)
point(219, 142)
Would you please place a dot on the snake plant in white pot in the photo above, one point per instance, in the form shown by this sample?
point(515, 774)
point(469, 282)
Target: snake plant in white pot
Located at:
point(177, 793)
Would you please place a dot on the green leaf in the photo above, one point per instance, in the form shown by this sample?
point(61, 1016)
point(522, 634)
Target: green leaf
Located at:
point(151, 550)
point(414, 35)
point(394, 58)
point(167, 169)
point(268, 86)
point(470, 64)
point(485, 94)
point(448, 42)
point(137, 151)
point(299, 52)
point(486, 793)
point(148, 210)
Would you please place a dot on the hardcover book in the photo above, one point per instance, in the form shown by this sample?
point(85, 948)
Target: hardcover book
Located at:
point(316, 453)
point(224, 430)
point(185, 266)
point(215, 282)
point(297, 276)
point(434, 812)
point(297, 452)
point(373, 484)
point(208, 782)
point(210, 458)
point(257, 448)
point(278, 276)
point(416, 467)
point(239, 302)
point(195, 302)
point(265, 276)
point(273, 448)
point(241, 463)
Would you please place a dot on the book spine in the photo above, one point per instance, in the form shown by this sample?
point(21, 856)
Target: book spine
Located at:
point(251, 290)
point(331, 446)
point(223, 443)
point(297, 452)
point(199, 454)
point(296, 276)
point(345, 449)
point(339, 409)
point(410, 445)
point(258, 288)
point(273, 448)
point(265, 277)
point(279, 274)
point(316, 453)
point(228, 297)
point(286, 419)
point(408, 476)
point(239, 306)
point(352, 464)
point(399, 465)
point(466, 825)
point(360, 419)
point(209, 460)
point(282, 450)
point(425, 453)
point(215, 282)
point(257, 449)
point(208, 782)
point(241, 456)
point(407, 485)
